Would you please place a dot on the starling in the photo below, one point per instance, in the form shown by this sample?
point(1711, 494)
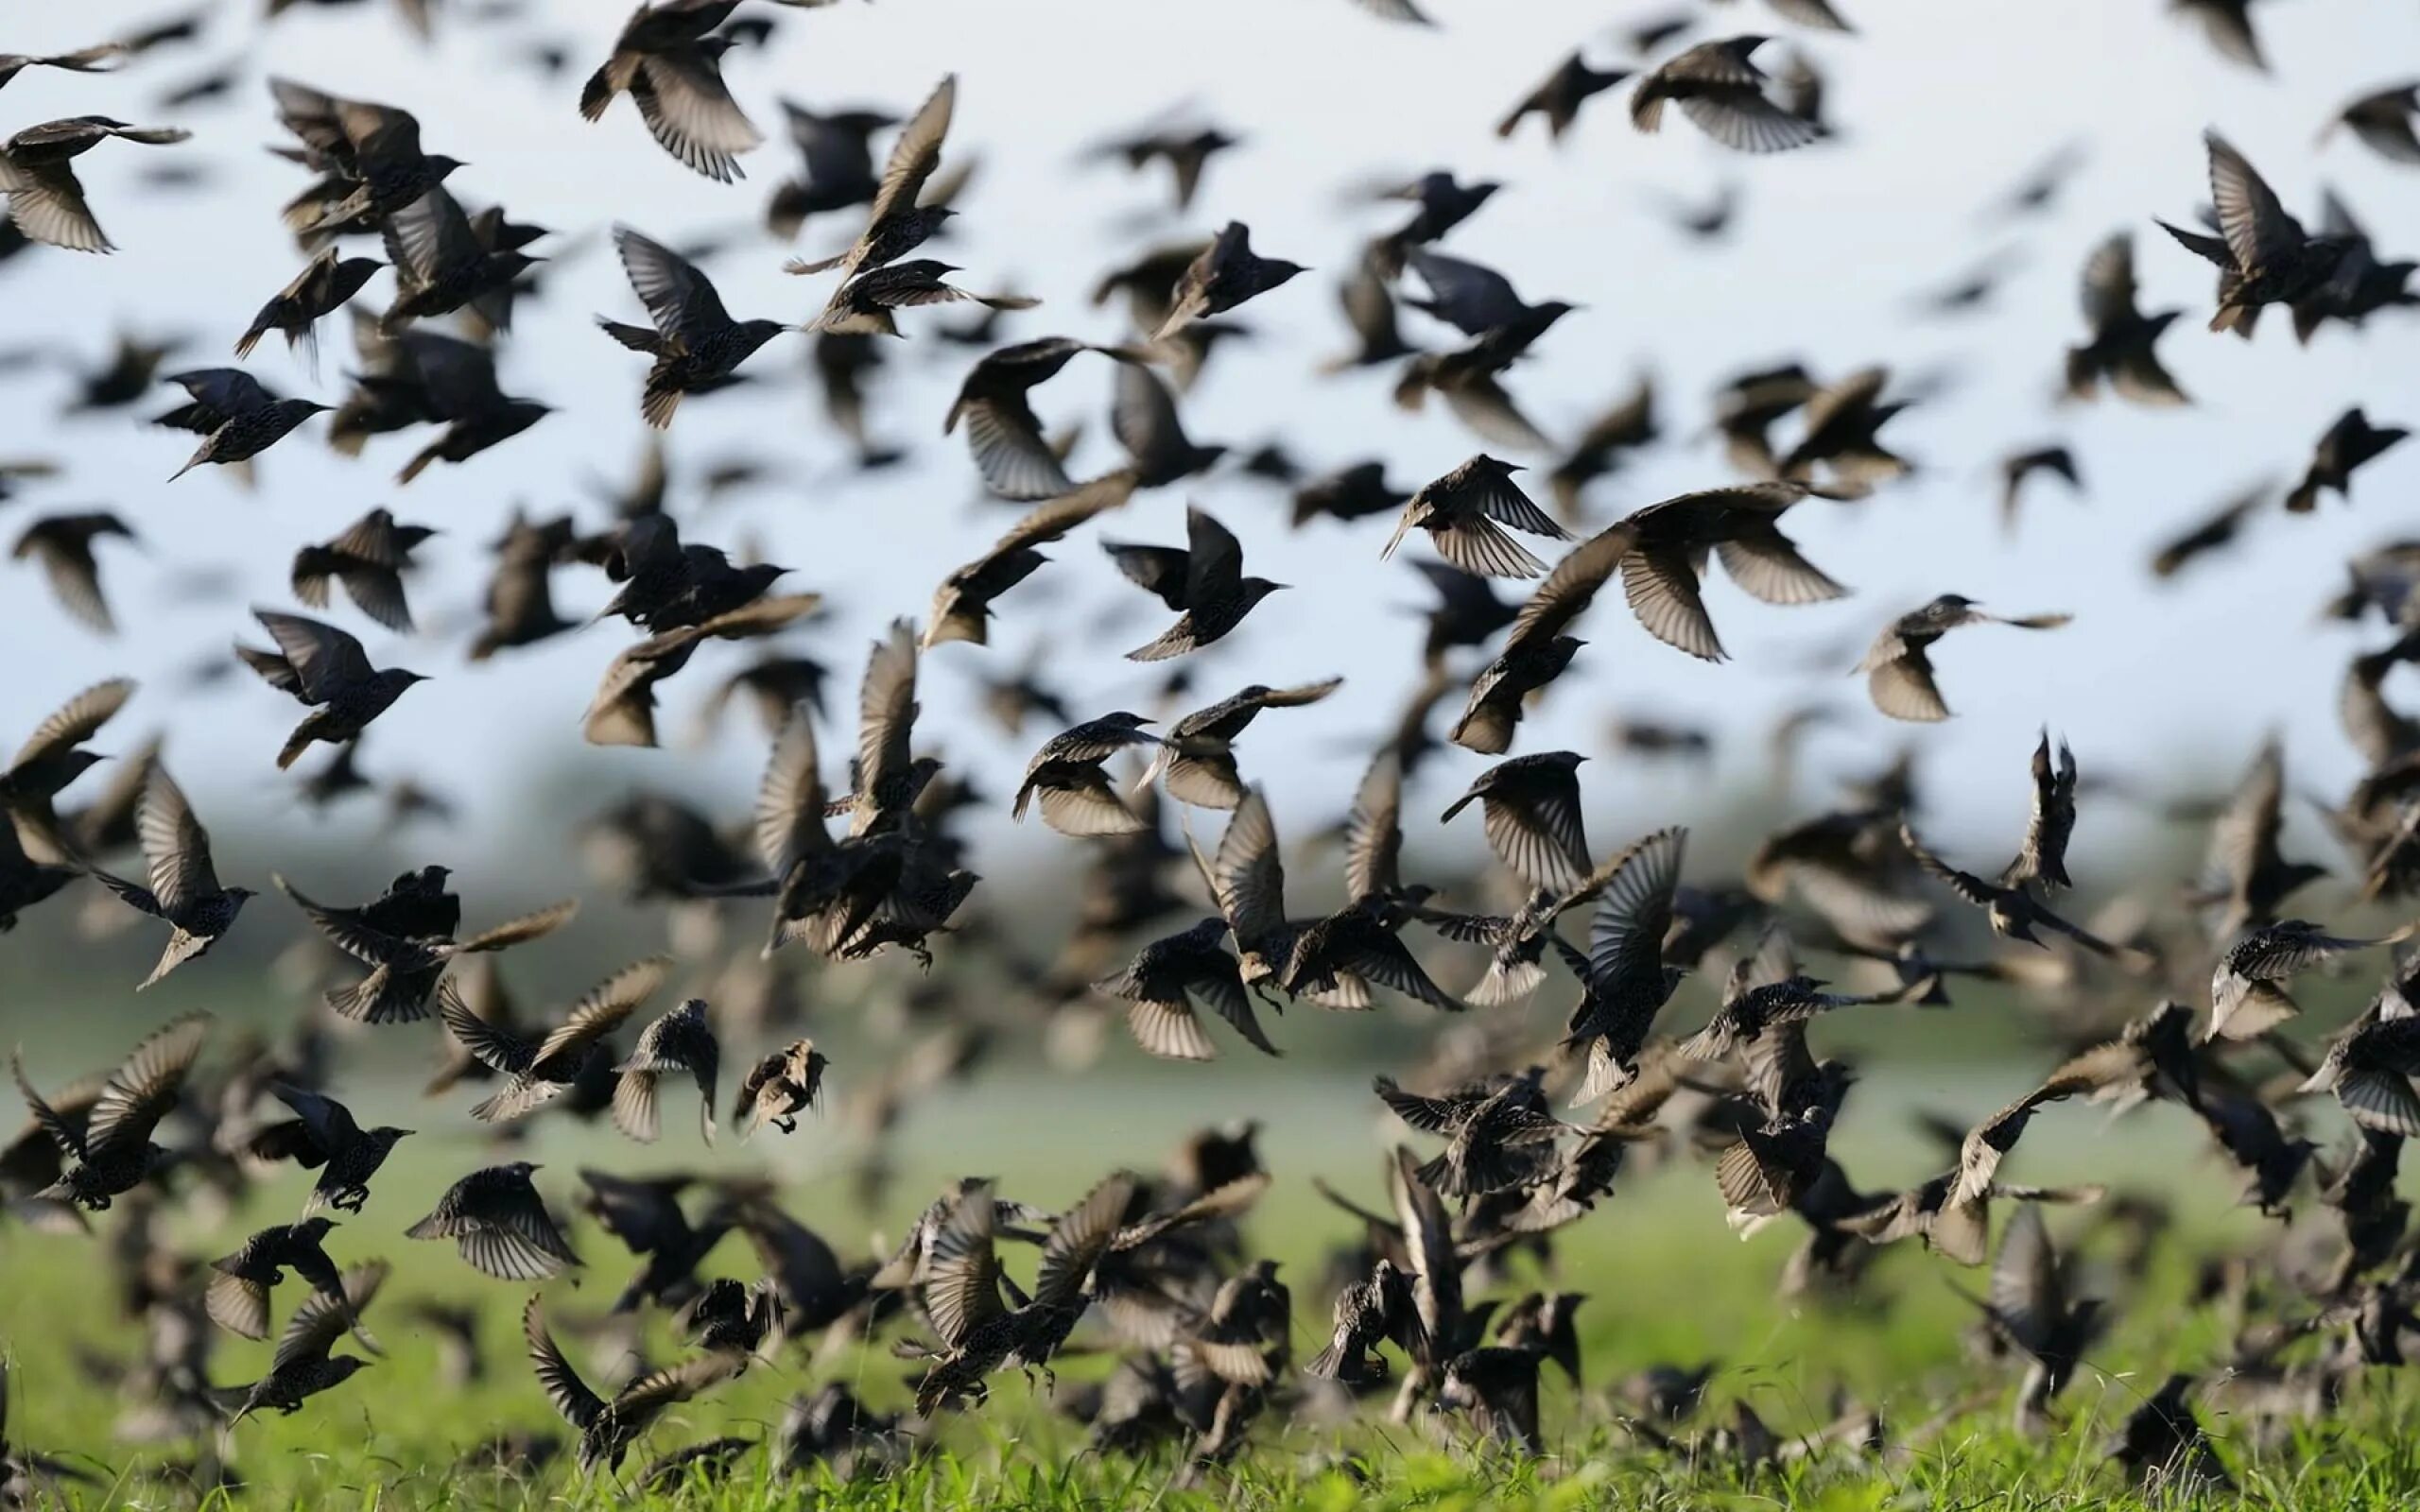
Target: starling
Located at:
point(1368, 1313)
point(1625, 426)
point(183, 885)
point(2247, 995)
point(1369, 307)
point(2246, 877)
point(863, 305)
point(1186, 152)
point(672, 70)
point(1844, 420)
point(900, 220)
point(2019, 466)
point(53, 757)
point(322, 1135)
point(1498, 1387)
point(1531, 807)
point(1739, 525)
point(1145, 423)
point(453, 383)
point(1623, 978)
point(609, 1427)
point(1464, 513)
point(2031, 1307)
point(644, 1214)
point(680, 1040)
point(111, 1153)
point(1560, 95)
point(237, 418)
point(837, 151)
point(2122, 346)
point(325, 286)
point(2262, 253)
point(499, 1224)
point(327, 671)
point(1722, 93)
point(978, 1333)
point(99, 59)
point(2362, 285)
point(62, 543)
point(696, 344)
point(2228, 25)
point(1197, 763)
point(779, 1087)
point(1160, 982)
point(2163, 1446)
point(237, 1296)
point(406, 937)
point(440, 263)
point(1748, 405)
point(368, 560)
point(962, 605)
point(24, 882)
point(1442, 201)
point(1075, 795)
point(2383, 120)
point(1001, 430)
point(2011, 909)
point(45, 201)
point(1208, 588)
point(1226, 274)
point(1470, 379)
point(1898, 667)
point(2350, 443)
point(1498, 1132)
point(539, 1070)
point(2369, 1068)
point(369, 154)
point(303, 1365)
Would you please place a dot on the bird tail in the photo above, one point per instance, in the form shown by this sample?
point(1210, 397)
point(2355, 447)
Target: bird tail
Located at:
point(250, 339)
point(823, 265)
point(419, 462)
point(2303, 497)
point(295, 745)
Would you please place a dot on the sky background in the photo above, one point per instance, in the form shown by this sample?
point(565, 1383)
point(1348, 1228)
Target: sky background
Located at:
point(1942, 107)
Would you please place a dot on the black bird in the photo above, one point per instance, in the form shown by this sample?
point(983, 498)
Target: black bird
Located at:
point(53, 757)
point(2014, 912)
point(1464, 513)
point(2350, 443)
point(696, 344)
point(2247, 879)
point(1143, 416)
point(368, 560)
point(2262, 253)
point(368, 157)
point(441, 263)
point(1001, 429)
point(237, 1296)
point(863, 305)
point(99, 60)
point(1075, 795)
point(536, 1072)
point(978, 1333)
point(2019, 466)
point(111, 1153)
point(2043, 859)
point(302, 1365)
point(327, 671)
point(1671, 541)
point(2382, 121)
point(1531, 808)
point(1369, 307)
point(2212, 534)
point(2122, 346)
point(778, 1087)
point(237, 418)
point(1624, 981)
point(499, 1224)
point(607, 1427)
point(1369, 1312)
point(1498, 1132)
point(520, 603)
point(680, 1040)
point(1197, 762)
point(1625, 426)
point(1444, 202)
point(1226, 274)
point(2031, 1307)
point(1186, 152)
point(1204, 582)
point(1537, 651)
point(1560, 95)
point(2163, 1446)
point(1722, 93)
point(1159, 984)
point(961, 609)
point(644, 1214)
point(899, 220)
point(2369, 1068)
point(1898, 666)
point(2247, 995)
point(182, 884)
point(453, 383)
point(672, 70)
point(62, 543)
point(835, 148)
point(322, 1135)
point(1843, 424)
point(45, 201)
point(325, 286)
point(407, 937)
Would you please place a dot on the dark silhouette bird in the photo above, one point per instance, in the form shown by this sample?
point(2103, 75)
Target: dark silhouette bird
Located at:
point(2031, 1305)
point(1624, 982)
point(53, 757)
point(45, 201)
point(407, 937)
point(63, 545)
point(96, 59)
point(671, 68)
point(1530, 806)
point(1369, 1312)
point(607, 1427)
point(837, 151)
point(305, 1363)
point(1722, 93)
point(2381, 119)
point(2014, 912)
point(778, 1087)
point(2227, 24)
point(368, 560)
point(2043, 858)
point(1066, 775)
point(1161, 982)
point(1537, 651)
point(2349, 444)
point(499, 1224)
point(1464, 513)
point(441, 263)
point(1671, 539)
point(1196, 765)
point(961, 608)
point(325, 286)
point(864, 306)
point(1497, 1131)
point(2364, 283)
point(682, 1040)
point(2163, 1445)
point(978, 1333)
point(1368, 306)
point(2020, 466)
point(1204, 582)
point(327, 671)
point(368, 155)
point(2213, 534)
point(2248, 996)
point(236, 417)
point(1226, 274)
point(182, 884)
point(1442, 203)
point(1560, 95)
point(111, 1153)
point(1001, 429)
point(2245, 876)
point(2122, 346)
point(2263, 255)
point(1898, 667)
point(1186, 151)
point(238, 1294)
point(696, 344)
point(1625, 426)
point(1843, 424)
point(536, 1072)
point(901, 219)
point(322, 1136)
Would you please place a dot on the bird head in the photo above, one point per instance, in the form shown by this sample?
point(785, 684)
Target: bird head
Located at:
point(1132, 721)
point(1257, 588)
point(385, 1136)
point(315, 1229)
point(440, 165)
point(239, 894)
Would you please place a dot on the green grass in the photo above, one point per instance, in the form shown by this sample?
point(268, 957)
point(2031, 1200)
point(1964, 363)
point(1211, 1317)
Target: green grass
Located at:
point(1665, 1282)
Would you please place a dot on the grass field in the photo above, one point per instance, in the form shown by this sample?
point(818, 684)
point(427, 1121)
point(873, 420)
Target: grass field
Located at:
point(1666, 1283)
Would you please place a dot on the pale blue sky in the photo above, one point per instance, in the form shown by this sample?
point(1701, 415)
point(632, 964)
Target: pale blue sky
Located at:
point(1942, 106)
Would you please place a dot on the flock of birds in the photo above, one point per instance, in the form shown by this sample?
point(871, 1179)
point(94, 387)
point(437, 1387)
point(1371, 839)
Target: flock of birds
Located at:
point(865, 860)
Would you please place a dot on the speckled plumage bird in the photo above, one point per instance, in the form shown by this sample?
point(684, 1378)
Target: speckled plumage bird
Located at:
point(111, 1152)
point(327, 671)
point(778, 1087)
point(45, 201)
point(304, 1365)
point(695, 343)
point(669, 63)
point(608, 1426)
point(180, 884)
point(325, 286)
point(499, 1224)
point(2248, 996)
point(2263, 255)
point(441, 263)
point(322, 1135)
point(1066, 775)
point(368, 155)
point(680, 1040)
point(2012, 910)
point(1464, 513)
point(1166, 975)
point(237, 1297)
point(536, 1072)
point(1226, 274)
point(1898, 667)
point(900, 219)
point(1196, 765)
point(1204, 582)
point(235, 415)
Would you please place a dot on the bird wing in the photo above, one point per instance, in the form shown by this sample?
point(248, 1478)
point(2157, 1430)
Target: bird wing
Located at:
point(570, 1395)
point(1247, 874)
point(1079, 1238)
point(1634, 911)
point(601, 1010)
point(962, 1273)
point(677, 297)
point(887, 711)
point(143, 1089)
point(1571, 587)
point(1214, 560)
point(75, 721)
point(325, 660)
point(1373, 831)
point(2259, 231)
point(176, 849)
point(916, 154)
